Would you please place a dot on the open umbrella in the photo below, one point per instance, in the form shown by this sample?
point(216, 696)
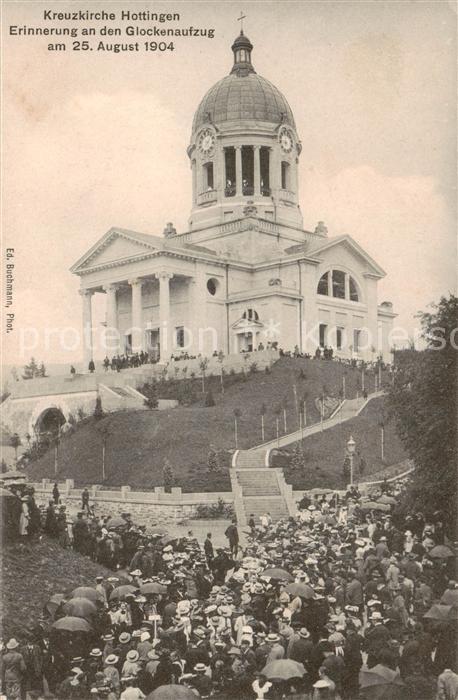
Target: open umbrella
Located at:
point(279, 574)
point(387, 499)
point(301, 589)
point(442, 613)
point(53, 603)
point(85, 592)
point(283, 670)
point(326, 519)
point(441, 551)
point(450, 597)
point(146, 588)
point(172, 692)
point(72, 624)
point(372, 505)
point(116, 521)
point(380, 683)
point(80, 607)
point(167, 539)
point(122, 591)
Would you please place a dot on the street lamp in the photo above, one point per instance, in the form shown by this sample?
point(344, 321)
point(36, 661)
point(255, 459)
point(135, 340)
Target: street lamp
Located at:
point(351, 444)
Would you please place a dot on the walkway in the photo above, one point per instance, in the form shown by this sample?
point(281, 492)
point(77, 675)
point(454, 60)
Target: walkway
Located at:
point(347, 410)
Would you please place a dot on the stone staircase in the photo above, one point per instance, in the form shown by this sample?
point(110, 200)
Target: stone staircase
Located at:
point(259, 489)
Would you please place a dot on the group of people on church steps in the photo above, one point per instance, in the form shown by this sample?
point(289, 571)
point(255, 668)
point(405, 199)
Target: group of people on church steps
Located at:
point(332, 603)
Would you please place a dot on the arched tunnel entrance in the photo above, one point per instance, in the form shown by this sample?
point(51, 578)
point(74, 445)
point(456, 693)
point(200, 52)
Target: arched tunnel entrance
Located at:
point(48, 424)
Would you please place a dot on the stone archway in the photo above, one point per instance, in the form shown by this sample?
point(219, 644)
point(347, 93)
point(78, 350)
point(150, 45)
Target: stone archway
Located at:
point(48, 417)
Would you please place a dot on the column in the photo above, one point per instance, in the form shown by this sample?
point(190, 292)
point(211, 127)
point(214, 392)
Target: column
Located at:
point(372, 316)
point(201, 335)
point(238, 170)
point(112, 330)
point(164, 314)
point(136, 319)
point(257, 170)
point(310, 324)
point(194, 181)
point(347, 286)
point(86, 295)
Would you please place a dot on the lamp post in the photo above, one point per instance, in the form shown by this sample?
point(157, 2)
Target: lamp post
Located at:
point(351, 444)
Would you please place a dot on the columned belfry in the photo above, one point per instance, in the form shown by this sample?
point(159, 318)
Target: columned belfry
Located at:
point(244, 146)
point(246, 273)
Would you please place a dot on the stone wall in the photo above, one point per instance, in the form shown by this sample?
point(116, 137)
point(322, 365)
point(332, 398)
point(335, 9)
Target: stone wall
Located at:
point(147, 507)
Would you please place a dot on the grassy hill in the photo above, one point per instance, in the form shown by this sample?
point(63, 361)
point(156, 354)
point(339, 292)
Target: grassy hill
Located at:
point(49, 569)
point(139, 441)
point(324, 452)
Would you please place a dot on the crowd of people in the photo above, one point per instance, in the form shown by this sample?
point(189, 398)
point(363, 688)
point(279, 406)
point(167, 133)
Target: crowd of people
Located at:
point(333, 603)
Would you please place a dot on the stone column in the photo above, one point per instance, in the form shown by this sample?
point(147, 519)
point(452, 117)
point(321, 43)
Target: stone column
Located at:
point(371, 339)
point(347, 286)
point(310, 330)
point(257, 170)
point(86, 295)
point(238, 170)
point(164, 314)
point(112, 330)
point(137, 320)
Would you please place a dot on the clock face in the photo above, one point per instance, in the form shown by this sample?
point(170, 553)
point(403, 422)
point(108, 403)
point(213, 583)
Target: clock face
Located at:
point(206, 141)
point(286, 140)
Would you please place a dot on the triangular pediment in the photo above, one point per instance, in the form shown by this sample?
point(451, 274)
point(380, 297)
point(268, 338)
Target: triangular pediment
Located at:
point(117, 245)
point(352, 248)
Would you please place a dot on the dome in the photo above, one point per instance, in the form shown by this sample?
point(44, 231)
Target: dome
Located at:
point(243, 95)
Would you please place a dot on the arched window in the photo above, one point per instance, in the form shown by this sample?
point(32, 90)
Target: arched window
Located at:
point(342, 286)
point(354, 296)
point(323, 284)
point(251, 315)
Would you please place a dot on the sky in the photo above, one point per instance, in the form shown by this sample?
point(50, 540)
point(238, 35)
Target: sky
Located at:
point(93, 140)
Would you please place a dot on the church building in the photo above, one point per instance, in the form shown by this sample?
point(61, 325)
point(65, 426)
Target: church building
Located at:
point(245, 274)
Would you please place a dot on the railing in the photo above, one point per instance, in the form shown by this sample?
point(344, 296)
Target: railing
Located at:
point(230, 191)
point(248, 190)
point(266, 191)
point(206, 197)
point(268, 226)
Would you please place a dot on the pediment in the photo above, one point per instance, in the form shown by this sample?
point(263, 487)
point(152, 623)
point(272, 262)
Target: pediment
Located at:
point(117, 245)
point(351, 251)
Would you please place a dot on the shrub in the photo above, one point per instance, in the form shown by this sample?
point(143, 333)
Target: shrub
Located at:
point(253, 367)
point(214, 511)
point(209, 400)
point(212, 460)
point(81, 413)
point(151, 402)
point(98, 410)
point(168, 475)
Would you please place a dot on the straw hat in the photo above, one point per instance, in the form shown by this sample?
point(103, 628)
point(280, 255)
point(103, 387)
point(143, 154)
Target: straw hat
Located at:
point(132, 655)
point(111, 659)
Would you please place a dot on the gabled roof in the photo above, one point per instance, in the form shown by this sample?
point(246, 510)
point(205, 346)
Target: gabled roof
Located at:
point(353, 246)
point(142, 244)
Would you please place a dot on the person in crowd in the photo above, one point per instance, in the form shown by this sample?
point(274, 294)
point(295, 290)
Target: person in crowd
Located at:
point(338, 595)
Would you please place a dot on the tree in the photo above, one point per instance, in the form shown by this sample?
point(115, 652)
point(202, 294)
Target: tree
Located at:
point(237, 414)
point(42, 370)
point(422, 400)
point(203, 364)
point(263, 411)
point(15, 442)
point(31, 370)
point(222, 373)
point(105, 433)
point(3, 466)
point(167, 474)
point(151, 400)
point(382, 419)
point(98, 410)
point(209, 399)
point(284, 405)
point(277, 412)
point(212, 460)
